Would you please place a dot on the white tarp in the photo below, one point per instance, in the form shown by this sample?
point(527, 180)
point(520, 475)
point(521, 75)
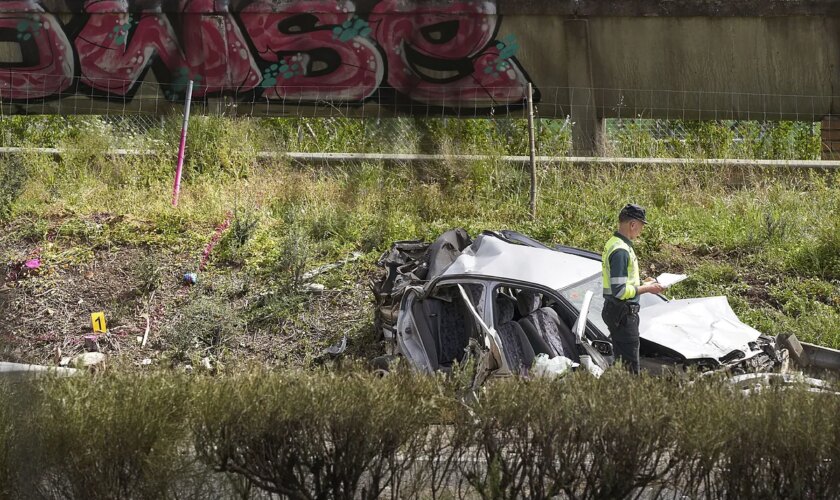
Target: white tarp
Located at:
point(498, 258)
point(696, 328)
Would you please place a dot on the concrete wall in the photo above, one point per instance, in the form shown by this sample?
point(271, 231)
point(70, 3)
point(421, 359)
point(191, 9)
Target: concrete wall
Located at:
point(692, 59)
point(764, 68)
point(694, 68)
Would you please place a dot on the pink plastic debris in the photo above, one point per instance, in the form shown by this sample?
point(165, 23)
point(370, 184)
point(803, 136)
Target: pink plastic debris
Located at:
point(205, 255)
point(32, 263)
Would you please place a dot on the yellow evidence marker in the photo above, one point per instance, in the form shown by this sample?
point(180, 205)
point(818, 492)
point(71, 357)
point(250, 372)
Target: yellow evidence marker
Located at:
point(97, 320)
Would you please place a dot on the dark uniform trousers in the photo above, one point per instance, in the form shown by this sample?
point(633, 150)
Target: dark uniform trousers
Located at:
point(622, 318)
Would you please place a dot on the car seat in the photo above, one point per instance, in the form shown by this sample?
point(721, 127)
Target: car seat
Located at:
point(516, 348)
point(545, 331)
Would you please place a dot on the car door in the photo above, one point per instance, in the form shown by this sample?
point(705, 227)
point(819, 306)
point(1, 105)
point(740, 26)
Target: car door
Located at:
point(435, 326)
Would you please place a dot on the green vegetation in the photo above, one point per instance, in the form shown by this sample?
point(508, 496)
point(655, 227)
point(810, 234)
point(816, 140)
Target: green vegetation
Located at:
point(108, 238)
point(347, 434)
point(728, 139)
point(12, 178)
point(237, 146)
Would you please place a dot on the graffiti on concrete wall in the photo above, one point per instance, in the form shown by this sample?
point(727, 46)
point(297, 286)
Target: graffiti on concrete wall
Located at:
point(444, 54)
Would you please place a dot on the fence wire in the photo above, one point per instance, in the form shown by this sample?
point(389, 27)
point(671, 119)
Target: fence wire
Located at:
point(640, 123)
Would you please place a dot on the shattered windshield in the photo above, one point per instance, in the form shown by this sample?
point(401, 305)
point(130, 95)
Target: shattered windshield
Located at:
point(575, 293)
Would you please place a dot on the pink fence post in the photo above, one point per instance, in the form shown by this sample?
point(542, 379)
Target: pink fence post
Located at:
point(176, 190)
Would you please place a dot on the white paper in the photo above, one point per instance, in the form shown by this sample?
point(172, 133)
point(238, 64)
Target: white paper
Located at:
point(668, 279)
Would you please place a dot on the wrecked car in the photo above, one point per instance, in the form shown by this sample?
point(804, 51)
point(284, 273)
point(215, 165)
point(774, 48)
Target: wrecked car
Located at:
point(504, 299)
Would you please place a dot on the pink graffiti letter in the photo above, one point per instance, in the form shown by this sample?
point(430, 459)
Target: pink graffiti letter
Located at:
point(313, 49)
point(216, 50)
point(39, 60)
point(116, 47)
point(444, 54)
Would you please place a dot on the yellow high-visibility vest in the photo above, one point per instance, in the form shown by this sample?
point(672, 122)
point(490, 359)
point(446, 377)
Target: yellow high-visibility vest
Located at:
point(632, 281)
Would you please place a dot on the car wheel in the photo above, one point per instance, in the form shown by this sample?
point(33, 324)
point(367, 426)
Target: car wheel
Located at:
point(382, 364)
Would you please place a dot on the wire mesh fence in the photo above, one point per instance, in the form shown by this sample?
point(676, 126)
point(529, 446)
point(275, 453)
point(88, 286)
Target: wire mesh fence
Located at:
point(633, 123)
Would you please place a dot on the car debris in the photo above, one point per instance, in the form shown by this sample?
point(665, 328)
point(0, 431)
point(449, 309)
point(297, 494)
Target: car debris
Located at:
point(308, 275)
point(314, 288)
point(504, 299)
point(91, 343)
point(336, 349)
point(88, 359)
point(552, 367)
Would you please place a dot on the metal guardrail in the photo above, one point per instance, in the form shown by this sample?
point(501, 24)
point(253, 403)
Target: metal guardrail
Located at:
point(10, 150)
point(608, 160)
point(823, 358)
point(20, 369)
point(411, 157)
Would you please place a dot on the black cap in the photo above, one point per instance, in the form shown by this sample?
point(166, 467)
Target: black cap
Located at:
point(634, 212)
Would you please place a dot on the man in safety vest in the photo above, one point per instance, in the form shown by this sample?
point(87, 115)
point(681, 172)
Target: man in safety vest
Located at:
point(622, 286)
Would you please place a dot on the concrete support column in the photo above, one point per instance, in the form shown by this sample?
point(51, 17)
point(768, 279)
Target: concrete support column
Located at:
point(830, 137)
point(830, 123)
point(588, 131)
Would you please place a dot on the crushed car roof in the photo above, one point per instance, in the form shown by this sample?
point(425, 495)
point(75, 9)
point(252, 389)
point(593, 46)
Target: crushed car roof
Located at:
point(493, 257)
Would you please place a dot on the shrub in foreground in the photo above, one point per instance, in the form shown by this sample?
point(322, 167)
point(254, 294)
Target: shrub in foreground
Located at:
point(316, 436)
point(781, 444)
point(580, 437)
point(7, 429)
point(348, 434)
point(109, 437)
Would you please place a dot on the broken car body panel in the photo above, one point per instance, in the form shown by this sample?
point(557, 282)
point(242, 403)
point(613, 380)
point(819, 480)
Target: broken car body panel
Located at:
point(697, 328)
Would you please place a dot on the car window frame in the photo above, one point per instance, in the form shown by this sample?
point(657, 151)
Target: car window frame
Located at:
point(488, 314)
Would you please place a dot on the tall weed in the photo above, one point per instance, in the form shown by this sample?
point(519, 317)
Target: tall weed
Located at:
point(244, 223)
point(201, 327)
point(13, 174)
point(216, 146)
point(757, 221)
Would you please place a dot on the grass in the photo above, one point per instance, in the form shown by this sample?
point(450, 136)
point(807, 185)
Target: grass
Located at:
point(109, 237)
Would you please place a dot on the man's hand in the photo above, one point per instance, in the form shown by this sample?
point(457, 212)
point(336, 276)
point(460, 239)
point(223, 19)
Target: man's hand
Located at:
point(650, 288)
